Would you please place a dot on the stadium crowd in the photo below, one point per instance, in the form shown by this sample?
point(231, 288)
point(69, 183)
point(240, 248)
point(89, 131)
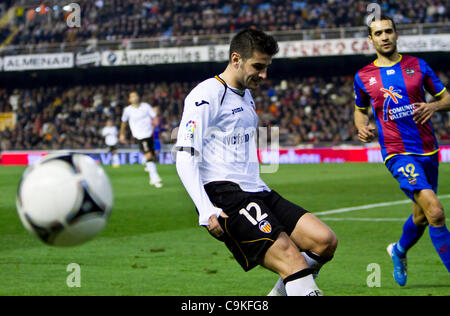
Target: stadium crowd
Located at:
point(307, 110)
point(124, 19)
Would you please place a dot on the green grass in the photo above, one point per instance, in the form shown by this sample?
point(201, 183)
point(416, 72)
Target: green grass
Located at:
point(153, 245)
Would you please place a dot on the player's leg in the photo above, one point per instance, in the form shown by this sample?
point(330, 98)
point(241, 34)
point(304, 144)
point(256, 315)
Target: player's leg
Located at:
point(316, 240)
point(114, 157)
point(318, 243)
point(413, 229)
point(284, 258)
point(314, 237)
point(150, 166)
point(255, 236)
point(439, 234)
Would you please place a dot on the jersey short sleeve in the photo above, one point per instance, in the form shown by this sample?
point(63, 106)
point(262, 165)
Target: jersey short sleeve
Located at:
point(150, 110)
point(431, 82)
point(200, 109)
point(362, 99)
point(125, 115)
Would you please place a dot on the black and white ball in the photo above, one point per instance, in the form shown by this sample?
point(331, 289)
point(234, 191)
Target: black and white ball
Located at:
point(65, 199)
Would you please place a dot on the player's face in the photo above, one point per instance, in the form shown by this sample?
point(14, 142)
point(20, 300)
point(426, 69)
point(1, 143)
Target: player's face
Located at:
point(134, 98)
point(254, 69)
point(383, 37)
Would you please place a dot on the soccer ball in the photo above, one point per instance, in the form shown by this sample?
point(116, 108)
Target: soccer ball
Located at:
point(64, 199)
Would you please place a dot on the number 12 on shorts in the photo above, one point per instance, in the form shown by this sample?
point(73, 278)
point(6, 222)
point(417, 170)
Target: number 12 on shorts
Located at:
point(259, 216)
point(408, 171)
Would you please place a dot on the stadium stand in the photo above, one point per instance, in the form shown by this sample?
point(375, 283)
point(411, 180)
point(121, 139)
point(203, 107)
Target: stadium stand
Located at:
point(121, 19)
point(307, 110)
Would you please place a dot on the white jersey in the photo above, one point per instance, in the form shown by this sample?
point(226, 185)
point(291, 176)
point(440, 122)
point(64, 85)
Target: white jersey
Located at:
point(140, 120)
point(110, 133)
point(220, 123)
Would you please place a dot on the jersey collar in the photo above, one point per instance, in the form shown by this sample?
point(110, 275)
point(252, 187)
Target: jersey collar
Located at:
point(390, 65)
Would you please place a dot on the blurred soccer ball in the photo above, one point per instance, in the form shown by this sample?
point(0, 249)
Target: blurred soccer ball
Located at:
point(64, 199)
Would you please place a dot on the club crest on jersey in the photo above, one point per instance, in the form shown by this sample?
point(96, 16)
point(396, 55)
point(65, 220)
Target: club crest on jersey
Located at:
point(191, 126)
point(265, 227)
point(412, 180)
point(410, 72)
point(390, 94)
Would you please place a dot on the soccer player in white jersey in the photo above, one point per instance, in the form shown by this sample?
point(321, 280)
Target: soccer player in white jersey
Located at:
point(140, 116)
point(218, 165)
point(110, 133)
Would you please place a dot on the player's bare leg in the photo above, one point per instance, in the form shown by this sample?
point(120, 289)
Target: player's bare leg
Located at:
point(311, 234)
point(317, 242)
point(284, 258)
point(434, 212)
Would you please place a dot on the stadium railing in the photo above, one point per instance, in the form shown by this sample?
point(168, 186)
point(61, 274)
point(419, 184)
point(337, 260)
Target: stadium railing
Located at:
point(179, 41)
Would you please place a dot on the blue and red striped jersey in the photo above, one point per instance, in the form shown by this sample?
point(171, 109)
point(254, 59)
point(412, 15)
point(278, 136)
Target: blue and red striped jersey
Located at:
point(392, 92)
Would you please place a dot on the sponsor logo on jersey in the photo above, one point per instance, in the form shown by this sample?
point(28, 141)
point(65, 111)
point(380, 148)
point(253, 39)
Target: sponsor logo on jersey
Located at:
point(265, 227)
point(390, 94)
point(390, 72)
point(238, 138)
point(237, 110)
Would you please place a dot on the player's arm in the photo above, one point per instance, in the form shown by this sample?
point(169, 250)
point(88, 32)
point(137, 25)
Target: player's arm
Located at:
point(188, 171)
point(424, 111)
point(123, 127)
point(366, 131)
point(193, 128)
point(154, 116)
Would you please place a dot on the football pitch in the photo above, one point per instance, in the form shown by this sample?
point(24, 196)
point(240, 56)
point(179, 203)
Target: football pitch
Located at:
point(154, 246)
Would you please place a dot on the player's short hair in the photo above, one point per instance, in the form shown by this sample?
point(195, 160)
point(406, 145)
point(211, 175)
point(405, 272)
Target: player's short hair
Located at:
point(383, 17)
point(247, 41)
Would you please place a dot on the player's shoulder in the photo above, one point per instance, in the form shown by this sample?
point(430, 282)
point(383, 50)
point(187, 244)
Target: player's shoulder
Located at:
point(210, 89)
point(366, 70)
point(127, 108)
point(145, 105)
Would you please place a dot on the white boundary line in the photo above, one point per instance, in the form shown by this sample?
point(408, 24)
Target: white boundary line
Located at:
point(369, 206)
point(365, 219)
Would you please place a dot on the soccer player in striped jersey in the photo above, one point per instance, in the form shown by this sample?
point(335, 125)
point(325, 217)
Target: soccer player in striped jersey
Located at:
point(218, 164)
point(394, 87)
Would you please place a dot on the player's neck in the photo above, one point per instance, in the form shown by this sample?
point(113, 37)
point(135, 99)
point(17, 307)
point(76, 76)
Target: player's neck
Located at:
point(383, 60)
point(230, 79)
point(136, 105)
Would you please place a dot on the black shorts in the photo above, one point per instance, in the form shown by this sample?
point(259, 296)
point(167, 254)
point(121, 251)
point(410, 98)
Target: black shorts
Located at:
point(254, 220)
point(147, 145)
point(112, 148)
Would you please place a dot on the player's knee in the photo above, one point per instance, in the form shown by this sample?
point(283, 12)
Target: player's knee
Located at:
point(420, 219)
point(330, 242)
point(436, 216)
point(287, 256)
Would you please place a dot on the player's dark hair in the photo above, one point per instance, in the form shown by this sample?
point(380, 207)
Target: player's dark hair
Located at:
point(383, 17)
point(247, 41)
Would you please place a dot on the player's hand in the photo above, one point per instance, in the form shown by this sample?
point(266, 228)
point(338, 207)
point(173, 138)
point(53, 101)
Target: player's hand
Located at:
point(122, 139)
point(423, 112)
point(213, 225)
point(367, 133)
